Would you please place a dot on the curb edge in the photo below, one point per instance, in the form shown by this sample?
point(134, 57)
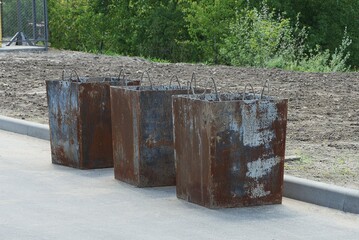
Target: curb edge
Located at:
point(318, 193)
point(31, 129)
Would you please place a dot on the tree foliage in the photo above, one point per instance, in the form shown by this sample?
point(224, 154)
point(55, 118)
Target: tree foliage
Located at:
point(212, 31)
point(326, 21)
point(262, 38)
point(208, 23)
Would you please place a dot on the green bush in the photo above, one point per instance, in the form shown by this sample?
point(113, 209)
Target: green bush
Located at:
point(324, 61)
point(73, 25)
point(325, 21)
point(254, 38)
point(207, 23)
point(234, 32)
point(263, 38)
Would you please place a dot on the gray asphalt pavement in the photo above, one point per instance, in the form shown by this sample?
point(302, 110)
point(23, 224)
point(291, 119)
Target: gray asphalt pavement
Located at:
point(39, 200)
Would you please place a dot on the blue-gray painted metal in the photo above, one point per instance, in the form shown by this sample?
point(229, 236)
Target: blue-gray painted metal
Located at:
point(80, 121)
point(63, 104)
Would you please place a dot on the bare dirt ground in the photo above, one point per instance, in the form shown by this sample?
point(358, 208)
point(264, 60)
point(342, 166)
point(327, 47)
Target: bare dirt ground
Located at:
point(323, 114)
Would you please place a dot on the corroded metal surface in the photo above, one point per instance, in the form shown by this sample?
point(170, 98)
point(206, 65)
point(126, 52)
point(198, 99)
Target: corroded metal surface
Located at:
point(80, 121)
point(143, 134)
point(229, 153)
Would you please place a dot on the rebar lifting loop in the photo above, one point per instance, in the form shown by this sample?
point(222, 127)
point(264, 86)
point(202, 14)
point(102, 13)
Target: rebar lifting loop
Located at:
point(77, 76)
point(205, 89)
point(193, 79)
point(177, 80)
point(63, 74)
point(149, 78)
point(215, 89)
point(71, 75)
point(188, 87)
point(266, 83)
point(122, 72)
point(244, 92)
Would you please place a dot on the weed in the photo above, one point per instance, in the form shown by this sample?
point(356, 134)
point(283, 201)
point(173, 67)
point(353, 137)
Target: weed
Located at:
point(262, 38)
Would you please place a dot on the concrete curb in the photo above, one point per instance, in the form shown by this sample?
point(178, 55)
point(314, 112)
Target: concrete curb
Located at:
point(25, 127)
point(322, 194)
point(22, 49)
point(318, 193)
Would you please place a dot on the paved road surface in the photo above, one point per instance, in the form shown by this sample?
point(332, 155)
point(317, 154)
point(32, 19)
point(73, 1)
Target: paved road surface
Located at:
point(39, 200)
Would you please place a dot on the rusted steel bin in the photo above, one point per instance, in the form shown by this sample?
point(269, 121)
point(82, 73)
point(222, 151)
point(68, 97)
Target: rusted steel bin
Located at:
point(142, 131)
point(80, 121)
point(229, 153)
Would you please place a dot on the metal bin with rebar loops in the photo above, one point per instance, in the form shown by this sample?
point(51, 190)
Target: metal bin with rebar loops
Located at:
point(80, 121)
point(229, 149)
point(142, 134)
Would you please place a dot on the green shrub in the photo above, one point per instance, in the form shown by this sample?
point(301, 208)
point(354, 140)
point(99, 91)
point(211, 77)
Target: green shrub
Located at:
point(325, 21)
point(212, 31)
point(207, 23)
point(263, 38)
point(254, 37)
point(73, 25)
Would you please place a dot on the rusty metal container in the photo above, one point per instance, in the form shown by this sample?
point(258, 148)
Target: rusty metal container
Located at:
point(229, 153)
point(142, 131)
point(80, 121)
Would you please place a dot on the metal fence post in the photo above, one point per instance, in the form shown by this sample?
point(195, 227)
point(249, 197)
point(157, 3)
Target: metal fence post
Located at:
point(46, 23)
point(34, 19)
point(25, 22)
point(0, 24)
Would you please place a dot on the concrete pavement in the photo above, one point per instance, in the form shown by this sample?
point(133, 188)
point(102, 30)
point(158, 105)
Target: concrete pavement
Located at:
point(39, 200)
point(25, 127)
point(296, 188)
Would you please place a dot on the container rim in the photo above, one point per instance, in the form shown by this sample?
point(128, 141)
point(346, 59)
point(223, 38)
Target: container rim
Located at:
point(158, 88)
point(81, 80)
point(229, 97)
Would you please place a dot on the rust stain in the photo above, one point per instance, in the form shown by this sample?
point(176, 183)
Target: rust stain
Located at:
point(153, 143)
point(229, 153)
point(95, 115)
point(125, 135)
point(80, 121)
point(143, 134)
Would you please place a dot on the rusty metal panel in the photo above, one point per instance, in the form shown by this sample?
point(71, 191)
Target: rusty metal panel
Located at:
point(63, 111)
point(229, 153)
point(143, 134)
point(80, 121)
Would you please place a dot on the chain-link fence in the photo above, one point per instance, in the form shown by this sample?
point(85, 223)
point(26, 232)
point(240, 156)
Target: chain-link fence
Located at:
point(24, 22)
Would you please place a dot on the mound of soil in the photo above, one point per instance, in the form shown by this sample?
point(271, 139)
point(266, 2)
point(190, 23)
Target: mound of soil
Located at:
point(323, 114)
